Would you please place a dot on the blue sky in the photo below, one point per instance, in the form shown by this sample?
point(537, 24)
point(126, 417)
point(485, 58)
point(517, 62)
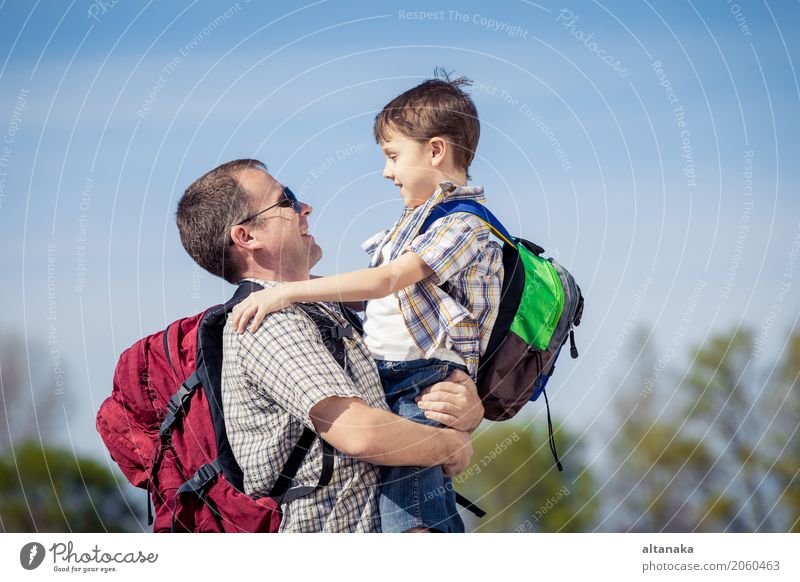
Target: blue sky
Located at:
point(109, 113)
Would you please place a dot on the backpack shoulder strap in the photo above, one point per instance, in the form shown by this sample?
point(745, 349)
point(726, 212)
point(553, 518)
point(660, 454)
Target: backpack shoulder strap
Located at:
point(470, 207)
point(282, 490)
point(332, 334)
point(244, 289)
point(208, 373)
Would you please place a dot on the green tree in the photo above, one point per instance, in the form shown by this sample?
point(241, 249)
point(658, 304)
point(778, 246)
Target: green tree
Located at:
point(751, 409)
point(514, 478)
point(785, 438)
point(46, 489)
point(712, 448)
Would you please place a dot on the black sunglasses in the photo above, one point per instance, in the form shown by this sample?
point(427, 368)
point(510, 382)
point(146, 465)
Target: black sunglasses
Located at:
point(289, 201)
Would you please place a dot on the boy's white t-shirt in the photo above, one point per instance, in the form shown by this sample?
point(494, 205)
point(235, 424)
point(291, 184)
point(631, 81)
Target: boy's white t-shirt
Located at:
point(386, 334)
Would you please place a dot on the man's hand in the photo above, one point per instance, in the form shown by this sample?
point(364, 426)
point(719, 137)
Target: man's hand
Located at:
point(454, 402)
point(459, 459)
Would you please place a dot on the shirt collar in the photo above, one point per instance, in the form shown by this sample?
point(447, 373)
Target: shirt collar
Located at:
point(449, 191)
point(265, 283)
point(446, 191)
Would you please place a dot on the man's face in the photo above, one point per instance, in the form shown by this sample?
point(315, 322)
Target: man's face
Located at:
point(408, 165)
point(282, 231)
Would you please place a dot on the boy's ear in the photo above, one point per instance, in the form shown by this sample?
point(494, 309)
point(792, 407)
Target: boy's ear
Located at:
point(439, 148)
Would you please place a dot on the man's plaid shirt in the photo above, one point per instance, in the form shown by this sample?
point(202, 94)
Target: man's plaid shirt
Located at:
point(458, 250)
point(270, 381)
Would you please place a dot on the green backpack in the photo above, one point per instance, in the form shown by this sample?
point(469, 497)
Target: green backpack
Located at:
point(540, 305)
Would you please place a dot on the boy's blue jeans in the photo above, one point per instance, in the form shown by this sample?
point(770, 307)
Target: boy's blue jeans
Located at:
point(416, 497)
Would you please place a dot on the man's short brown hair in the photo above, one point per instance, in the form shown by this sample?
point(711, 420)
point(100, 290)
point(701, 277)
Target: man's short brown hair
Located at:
point(207, 211)
point(435, 108)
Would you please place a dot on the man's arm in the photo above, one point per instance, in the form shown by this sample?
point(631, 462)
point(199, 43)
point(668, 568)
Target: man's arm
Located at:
point(308, 384)
point(382, 438)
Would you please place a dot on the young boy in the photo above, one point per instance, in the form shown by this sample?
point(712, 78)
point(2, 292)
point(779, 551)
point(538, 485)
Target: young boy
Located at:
point(432, 298)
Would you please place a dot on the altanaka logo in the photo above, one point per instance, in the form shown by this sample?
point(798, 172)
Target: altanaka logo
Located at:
point(31, 555)
point(681, 549)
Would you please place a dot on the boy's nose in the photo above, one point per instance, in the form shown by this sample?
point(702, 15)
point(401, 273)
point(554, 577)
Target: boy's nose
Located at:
point(387, 172)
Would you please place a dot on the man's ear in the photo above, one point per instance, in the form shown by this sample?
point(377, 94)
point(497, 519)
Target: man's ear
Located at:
point(241, 237)
point(438, 148)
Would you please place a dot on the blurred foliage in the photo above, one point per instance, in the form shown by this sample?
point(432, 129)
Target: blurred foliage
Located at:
point(721, 452)
point(515, 480)
point(46, 489)
point(30, 408)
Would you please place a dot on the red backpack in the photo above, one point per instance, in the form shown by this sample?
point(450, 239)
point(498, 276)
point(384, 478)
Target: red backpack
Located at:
point(163, 425)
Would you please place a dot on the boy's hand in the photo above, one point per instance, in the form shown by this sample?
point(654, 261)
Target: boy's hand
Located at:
point(454, 402)
point(256, 306)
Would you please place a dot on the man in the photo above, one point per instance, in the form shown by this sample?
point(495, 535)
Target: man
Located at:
point(239, 223)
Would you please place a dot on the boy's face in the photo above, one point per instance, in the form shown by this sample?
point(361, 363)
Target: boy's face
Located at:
point(408, 165)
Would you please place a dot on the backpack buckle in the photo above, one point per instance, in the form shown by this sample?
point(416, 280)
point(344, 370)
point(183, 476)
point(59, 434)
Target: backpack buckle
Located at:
point(341, 331)
point(201, 478)
point(205, 474)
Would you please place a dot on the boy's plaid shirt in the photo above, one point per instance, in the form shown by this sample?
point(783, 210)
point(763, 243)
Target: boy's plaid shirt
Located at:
point(458, 250)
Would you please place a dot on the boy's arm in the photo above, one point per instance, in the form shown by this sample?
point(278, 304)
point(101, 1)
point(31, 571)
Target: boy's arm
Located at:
point(382, 438)
point(359, 285)
point(352, 305)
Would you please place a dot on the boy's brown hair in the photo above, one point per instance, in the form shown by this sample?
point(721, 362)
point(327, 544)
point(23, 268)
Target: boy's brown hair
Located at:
point(435, 108)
